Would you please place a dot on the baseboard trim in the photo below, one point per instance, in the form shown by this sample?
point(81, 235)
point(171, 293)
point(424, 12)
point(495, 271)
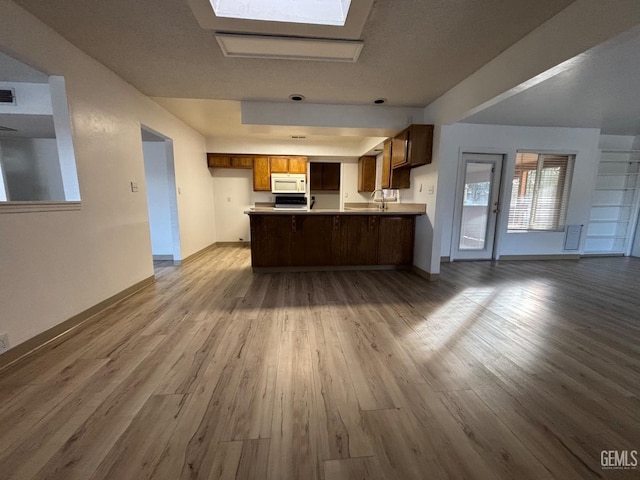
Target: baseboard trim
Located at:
point(162, 257)
point(572, 256)
point(431, 277)
point(329, 268)
point(196, 255)
point(445, 259)
point(233, 244)
point(32, 345)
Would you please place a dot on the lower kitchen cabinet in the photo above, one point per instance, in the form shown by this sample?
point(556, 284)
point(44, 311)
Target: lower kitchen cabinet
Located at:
point(284, 240)
point(355, 240)
point(271, 238)
point(395, 240)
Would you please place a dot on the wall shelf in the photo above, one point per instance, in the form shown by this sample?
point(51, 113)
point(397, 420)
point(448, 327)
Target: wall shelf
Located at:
point(616, 198)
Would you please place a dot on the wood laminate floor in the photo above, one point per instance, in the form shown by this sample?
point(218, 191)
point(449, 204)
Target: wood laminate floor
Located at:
point(514, 370)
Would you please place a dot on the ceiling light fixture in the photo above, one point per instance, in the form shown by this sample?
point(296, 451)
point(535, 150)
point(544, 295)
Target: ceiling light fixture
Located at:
point(288, 48)
point(326, 12)
point(379, 101)
point(296, 97)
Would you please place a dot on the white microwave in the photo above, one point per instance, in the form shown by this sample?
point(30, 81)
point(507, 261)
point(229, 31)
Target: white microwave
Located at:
point(288, 183)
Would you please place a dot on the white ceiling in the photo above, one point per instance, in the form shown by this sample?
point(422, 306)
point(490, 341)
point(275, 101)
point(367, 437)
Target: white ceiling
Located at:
point(598, 89)
point(414, 52)
point(12, 70)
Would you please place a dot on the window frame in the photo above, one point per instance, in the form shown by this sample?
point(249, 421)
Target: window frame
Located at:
point(561, 213)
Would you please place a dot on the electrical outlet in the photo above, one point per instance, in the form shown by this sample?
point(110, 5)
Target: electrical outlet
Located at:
point(4, 342)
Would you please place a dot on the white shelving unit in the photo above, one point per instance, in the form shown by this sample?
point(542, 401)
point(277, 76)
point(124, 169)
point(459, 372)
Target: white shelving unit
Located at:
point(614, 212)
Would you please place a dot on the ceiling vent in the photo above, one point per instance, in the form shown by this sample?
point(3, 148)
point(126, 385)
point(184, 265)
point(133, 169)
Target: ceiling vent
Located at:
point(7, 96)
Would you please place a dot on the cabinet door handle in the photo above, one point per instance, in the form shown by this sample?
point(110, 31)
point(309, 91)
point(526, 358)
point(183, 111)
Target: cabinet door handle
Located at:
point(293, 224)
point(336, 222)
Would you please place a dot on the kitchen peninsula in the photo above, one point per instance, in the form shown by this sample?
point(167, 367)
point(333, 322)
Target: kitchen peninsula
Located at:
point(357, 236)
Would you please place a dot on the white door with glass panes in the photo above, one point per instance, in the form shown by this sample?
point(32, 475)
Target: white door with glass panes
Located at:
point(477, 206)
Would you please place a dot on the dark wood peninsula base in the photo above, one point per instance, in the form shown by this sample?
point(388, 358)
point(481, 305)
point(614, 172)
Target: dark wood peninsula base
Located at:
point(291, 241)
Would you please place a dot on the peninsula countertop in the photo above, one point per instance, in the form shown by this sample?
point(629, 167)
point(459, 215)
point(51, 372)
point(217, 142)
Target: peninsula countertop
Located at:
point(348, 209)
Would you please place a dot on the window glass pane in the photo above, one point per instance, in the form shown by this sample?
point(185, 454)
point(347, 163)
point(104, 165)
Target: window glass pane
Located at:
point(539, 193)
point(476, 205)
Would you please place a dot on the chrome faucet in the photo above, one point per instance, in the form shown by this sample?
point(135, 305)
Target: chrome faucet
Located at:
point(383, 205)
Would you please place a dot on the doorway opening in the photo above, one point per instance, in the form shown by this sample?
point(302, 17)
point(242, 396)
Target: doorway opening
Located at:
point(162, 203)
point(477, 207)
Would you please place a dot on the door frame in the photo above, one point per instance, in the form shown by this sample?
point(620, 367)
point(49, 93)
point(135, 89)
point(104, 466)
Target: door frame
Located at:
point(172, 192)
point(457, 208)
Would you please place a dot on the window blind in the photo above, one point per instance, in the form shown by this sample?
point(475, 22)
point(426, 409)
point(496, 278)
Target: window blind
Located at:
point(540, 191)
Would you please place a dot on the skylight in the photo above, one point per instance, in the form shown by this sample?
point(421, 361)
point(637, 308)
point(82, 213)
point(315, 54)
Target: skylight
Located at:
point(319, 12)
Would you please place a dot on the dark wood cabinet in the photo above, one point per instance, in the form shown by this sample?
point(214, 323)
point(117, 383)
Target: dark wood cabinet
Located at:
point(324, 176)
point(395, 239)
point(355, 240)
point(412, 147)
point(367, 174)
point(331, 240)
point(311, 245)
point(393, 177)
point(271, 239)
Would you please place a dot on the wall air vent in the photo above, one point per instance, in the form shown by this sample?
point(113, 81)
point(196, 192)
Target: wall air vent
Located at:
point(7, 96)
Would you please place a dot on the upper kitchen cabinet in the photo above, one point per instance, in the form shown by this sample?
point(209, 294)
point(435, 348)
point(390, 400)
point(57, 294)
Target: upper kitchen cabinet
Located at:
point(279, 164)
point(324, 176)
point(393, 178)
point(367, 174)
point(264, 166)
point(218, 160)
point(412, 147)
point(261, 174)
point(286, 164)
point(242, 162)
point(298, 165)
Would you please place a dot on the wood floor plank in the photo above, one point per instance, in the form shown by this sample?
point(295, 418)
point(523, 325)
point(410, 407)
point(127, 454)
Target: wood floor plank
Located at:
point(254, 460)
point(293, 446)
point(492, 439)
point(149, 432)
point(361, 468)
point(499, 370)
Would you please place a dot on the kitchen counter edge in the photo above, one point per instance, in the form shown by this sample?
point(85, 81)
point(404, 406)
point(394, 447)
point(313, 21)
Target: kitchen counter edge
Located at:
point(408, 209)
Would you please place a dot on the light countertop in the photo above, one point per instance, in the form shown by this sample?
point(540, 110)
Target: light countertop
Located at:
point(349, 209)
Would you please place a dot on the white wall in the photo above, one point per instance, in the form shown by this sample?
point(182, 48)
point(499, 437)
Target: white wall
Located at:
point(31, 169)
point(349, 180)
point(156, 174)
point(104, 247)
point(233, 194)
point(425, 182)
point(582, 142)
point(31, 99)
